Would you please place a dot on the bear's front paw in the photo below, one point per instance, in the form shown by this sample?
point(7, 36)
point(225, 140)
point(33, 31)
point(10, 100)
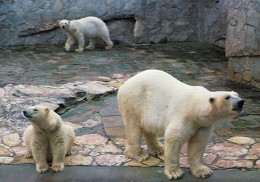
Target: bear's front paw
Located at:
point(109, 46)
point(201, 171)
point(57, 167)
point(79, 50)
point(139, 156)
point(173, 173)
point(158, 150)
point(90, 47)
point(42, 168)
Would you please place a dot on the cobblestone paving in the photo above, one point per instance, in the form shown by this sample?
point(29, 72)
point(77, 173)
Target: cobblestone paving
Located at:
point(50, 76)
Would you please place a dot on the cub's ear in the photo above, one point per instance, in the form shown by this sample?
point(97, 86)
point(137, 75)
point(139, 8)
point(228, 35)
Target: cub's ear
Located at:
point(211, 100)
point(69, 21)
point(47, 110)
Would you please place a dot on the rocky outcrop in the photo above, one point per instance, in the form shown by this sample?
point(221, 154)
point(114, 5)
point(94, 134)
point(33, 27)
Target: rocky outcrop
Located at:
point(15, 98)
point(130, 21)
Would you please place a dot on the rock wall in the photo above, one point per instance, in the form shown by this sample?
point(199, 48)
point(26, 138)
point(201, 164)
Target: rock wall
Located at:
point(243, 42)
point(33, 22)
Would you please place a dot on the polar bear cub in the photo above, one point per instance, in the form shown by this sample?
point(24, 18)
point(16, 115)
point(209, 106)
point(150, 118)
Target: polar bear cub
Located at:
point(89, 27)
point(47, 138)
point(153, 102)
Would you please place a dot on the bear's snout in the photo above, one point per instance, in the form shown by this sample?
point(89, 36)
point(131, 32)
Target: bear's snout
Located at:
point(27, 114)
point(63, 26)
point(239, 105)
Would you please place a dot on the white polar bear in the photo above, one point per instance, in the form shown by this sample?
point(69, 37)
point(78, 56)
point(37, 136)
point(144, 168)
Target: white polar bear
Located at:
point(48, 138)
point(89, 27)
point(153, 102)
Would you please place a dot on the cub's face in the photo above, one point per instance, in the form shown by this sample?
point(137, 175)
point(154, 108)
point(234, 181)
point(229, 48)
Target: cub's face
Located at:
point(64, 24)
point(36, 114)
point(226, 103)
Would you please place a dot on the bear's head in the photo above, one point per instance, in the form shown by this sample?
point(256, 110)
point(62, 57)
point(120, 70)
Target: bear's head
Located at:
point(64, 24)
point(38, 116)
point(225, 104)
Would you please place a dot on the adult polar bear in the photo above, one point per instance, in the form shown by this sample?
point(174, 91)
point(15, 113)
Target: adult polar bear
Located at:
point(154, 102)
point(89, 27)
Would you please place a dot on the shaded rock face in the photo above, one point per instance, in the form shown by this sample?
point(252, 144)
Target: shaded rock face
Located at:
point(243, 42)
point(129, 21)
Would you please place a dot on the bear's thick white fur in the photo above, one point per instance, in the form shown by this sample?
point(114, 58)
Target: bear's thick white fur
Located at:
point(89, 27)
point(48, 138)
point(153, 102)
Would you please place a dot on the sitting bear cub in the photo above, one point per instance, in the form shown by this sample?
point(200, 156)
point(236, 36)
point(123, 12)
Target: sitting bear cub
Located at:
point(89, 27)
point(48, 138)
point(153, 102)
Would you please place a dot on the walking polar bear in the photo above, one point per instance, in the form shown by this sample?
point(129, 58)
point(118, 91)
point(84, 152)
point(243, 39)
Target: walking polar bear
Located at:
point(89, 27)
point(153, 102)
point(47, 138)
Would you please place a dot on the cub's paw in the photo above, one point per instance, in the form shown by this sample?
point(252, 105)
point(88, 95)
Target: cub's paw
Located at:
point(68, 153)
point(28, 155)
point(42, 168)
point(173, 173)
point(158, 150)
point(201, 172)
point(139, 156)
point(57, 167)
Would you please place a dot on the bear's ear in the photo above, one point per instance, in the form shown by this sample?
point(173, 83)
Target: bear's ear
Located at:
point(47, 110)
point(69, 21)
point(211, 100)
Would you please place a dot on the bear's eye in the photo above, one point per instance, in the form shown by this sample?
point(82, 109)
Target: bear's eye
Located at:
point(227, 97)
point(35, 110)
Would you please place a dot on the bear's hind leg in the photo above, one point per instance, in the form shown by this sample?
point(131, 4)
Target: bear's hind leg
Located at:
point(196, 148)
point(133, 145)
point(107, 40)
point(91, 45)
point(154, 147)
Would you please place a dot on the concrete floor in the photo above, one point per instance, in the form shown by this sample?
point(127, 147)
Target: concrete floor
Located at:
point(27, 173)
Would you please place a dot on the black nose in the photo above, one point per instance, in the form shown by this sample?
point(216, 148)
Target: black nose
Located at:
point(25, 113)
point(240, 103)
point(63, 27)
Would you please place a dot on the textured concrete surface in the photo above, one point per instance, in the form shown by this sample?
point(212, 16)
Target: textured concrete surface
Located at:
point(26, 173)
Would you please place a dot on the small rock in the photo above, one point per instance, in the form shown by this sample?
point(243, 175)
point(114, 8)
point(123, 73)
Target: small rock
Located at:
point(110, 160)
point(107, 148)
point(227, 149)
point(104, 78)
point(151, 161)
point(242, 140)
point(78, 160)
point(12, 139)
point(90, 123)
point(257, 164)
point(255, 149)
point(251, 157)
point(91, 139)
point(19, 151)
point(4, 131)
point(184, 161)
point(86, 151)
point(117, 85)
point(74, 126)
point(4, 151)
point(120, 141)
point(135, 164)
point(23, 160)
point(6, 160)
point(210, 158)
point(234, 164)
point(118, 75)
